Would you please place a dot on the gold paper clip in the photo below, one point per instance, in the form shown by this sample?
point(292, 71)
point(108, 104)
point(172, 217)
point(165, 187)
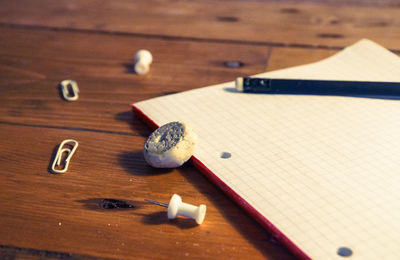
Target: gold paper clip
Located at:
point(69, 152)
point(64, 89)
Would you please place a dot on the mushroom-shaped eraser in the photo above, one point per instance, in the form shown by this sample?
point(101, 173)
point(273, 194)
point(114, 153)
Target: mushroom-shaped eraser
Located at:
point(170, 146)
point(143, 59)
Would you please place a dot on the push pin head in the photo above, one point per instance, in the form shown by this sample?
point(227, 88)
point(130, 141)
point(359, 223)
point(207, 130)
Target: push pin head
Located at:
point(178, 208)
point(143, 59)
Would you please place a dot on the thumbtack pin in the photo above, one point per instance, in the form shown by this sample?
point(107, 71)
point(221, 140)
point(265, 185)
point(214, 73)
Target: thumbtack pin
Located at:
point(143, 59)
point(178, 208)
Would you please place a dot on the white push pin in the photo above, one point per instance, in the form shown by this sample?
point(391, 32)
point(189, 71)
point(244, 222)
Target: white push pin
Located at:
point(178, 208)
point(143, 59)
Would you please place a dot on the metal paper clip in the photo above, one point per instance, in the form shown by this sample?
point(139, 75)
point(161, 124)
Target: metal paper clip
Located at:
point(69, 152)
point(64, 89)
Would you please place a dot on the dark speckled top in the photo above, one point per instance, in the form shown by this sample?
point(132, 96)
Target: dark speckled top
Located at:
point(165, 137)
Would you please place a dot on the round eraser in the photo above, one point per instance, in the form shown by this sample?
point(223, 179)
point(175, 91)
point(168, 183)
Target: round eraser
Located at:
point(170, 146)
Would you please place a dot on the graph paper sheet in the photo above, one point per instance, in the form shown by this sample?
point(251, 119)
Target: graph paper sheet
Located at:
point(321, 172)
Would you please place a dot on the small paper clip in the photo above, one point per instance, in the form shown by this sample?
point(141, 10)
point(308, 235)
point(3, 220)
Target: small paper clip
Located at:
point(64, 89)
point(69, 152)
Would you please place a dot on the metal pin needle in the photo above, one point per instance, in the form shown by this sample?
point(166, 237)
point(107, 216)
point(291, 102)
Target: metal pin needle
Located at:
point(157, 203)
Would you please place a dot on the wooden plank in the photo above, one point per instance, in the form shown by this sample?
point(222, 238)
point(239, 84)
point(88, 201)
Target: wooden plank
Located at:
point(303, 23)
point(61, 214)
point(376, 3)
point(34, 62)
point(282, 58)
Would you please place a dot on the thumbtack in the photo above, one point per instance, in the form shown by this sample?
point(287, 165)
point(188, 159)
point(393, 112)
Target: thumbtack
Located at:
point(178, 208)
point(143, 59)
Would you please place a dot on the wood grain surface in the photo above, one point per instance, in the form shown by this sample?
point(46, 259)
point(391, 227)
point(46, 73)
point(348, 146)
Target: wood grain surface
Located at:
point(325, 24)
point(43, 42)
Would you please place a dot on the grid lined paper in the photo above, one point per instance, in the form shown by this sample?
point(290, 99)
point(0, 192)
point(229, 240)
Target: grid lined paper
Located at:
point(324, 170)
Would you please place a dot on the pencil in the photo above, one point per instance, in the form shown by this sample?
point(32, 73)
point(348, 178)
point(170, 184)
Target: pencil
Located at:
point(317, 87)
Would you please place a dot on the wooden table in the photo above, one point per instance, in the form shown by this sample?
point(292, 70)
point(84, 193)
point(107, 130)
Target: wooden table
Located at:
point(45, 215)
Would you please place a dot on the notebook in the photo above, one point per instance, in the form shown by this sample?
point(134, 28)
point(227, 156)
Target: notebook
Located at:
point(322, 173)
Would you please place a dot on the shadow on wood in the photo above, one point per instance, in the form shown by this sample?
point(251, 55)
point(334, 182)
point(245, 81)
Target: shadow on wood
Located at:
point(160, 217)
point(135, 124)
point(52, 158)
point(129, 67)
point(13, 252)
point(134, 163)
